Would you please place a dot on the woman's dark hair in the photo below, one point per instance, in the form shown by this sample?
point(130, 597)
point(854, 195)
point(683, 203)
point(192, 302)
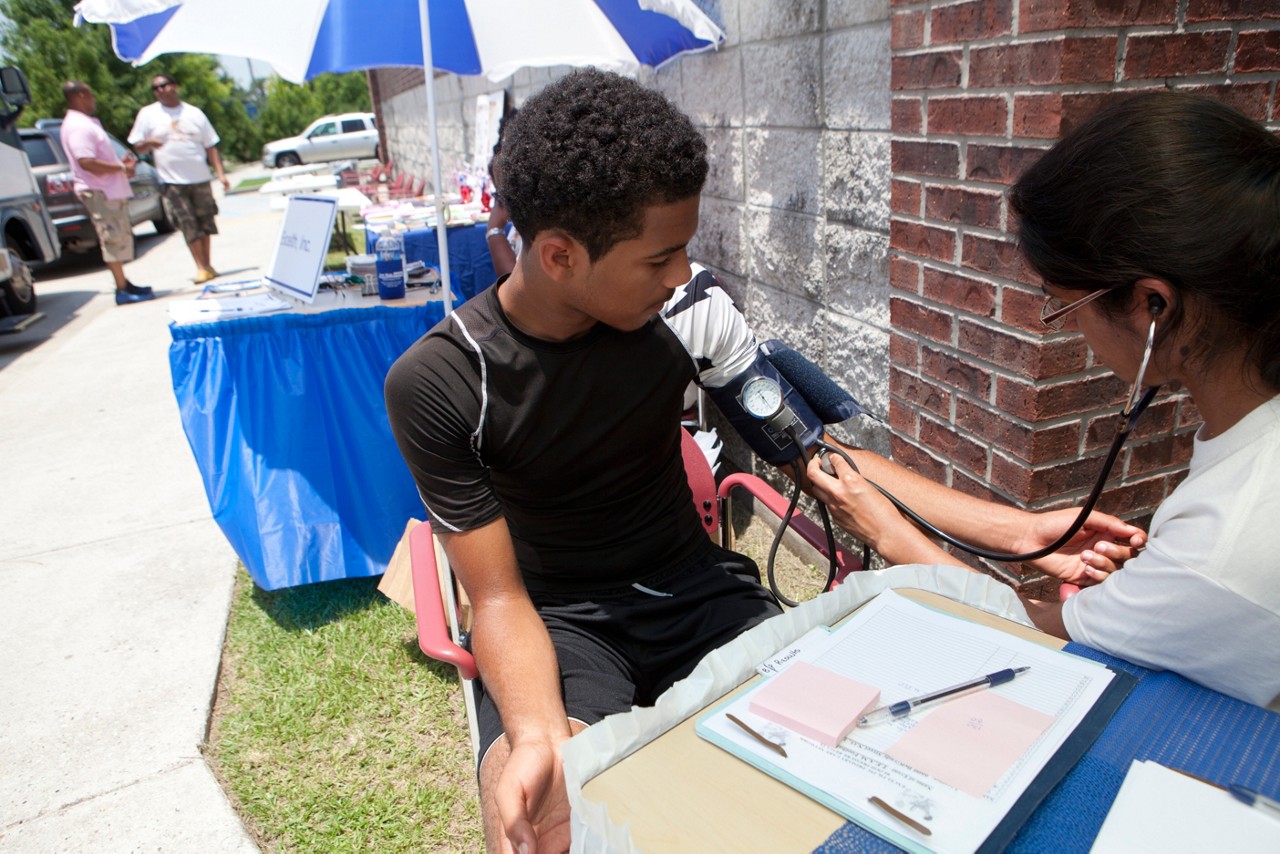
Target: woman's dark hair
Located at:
point(590, 152)
point(1170, 186)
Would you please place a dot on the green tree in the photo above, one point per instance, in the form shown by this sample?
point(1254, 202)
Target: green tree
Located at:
point(41, 40)
point(288, 107)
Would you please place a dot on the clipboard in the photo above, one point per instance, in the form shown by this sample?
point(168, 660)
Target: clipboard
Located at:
point(991, 830)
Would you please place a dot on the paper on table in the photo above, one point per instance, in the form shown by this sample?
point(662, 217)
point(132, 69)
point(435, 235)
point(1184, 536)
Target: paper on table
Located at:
point(814, 702)
point(204, 310)
point(970, 742)
point(1159, 809)
point(603, 744)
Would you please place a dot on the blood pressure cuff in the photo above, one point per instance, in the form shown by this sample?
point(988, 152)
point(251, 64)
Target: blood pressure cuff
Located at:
point(773, 445)
point(832, 403)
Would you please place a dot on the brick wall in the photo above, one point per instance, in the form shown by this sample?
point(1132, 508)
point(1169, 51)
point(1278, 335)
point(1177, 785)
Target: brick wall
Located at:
point(980, 396)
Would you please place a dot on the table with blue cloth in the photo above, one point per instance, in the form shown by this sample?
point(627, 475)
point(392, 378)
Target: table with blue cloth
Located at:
point(470, 265)
point(285, 416)
point(1164, 719)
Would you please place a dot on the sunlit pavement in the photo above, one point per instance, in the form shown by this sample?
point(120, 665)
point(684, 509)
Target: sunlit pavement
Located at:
point(114, 579)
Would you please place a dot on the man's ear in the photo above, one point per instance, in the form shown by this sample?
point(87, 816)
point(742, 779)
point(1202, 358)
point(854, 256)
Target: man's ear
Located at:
point(560, 256)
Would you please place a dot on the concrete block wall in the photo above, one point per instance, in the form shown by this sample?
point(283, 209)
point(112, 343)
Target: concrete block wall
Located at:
point(981, 396)
point(401, 103)
point(795, 110)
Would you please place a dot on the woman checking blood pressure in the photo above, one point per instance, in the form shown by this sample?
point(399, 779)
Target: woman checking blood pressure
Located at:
point(1155, 227)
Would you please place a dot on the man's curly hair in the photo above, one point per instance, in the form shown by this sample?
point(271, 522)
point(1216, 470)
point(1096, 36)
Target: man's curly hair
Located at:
point(590, 152)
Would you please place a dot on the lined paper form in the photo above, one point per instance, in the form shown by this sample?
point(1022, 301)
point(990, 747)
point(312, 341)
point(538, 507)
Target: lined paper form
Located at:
point(906, 649)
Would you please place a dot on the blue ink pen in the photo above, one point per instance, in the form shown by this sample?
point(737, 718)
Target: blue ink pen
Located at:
point(906, 707)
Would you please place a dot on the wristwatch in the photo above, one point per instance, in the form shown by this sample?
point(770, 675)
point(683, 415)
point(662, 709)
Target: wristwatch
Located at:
point(494, 232)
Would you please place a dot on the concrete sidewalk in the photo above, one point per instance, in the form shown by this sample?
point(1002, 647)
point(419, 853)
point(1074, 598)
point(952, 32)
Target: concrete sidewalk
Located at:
point(114, 579)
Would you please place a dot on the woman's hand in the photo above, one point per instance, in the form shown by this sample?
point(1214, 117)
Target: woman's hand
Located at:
point(1098, 549)
point(498, 216)
point(859, 508)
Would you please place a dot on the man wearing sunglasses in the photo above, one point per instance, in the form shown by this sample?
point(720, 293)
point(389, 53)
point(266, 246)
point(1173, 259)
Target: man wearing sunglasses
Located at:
point(185, 146)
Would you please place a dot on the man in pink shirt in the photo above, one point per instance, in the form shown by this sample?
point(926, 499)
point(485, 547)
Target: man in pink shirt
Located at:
point(102, 184)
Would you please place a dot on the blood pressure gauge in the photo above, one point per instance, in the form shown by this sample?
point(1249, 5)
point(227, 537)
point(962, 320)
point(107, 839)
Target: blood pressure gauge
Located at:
point(761, 398)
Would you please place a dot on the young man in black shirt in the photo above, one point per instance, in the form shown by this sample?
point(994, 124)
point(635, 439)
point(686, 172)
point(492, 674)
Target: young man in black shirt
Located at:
point(541, 422)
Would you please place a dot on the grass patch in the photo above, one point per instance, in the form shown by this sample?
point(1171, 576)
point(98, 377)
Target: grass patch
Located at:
point(247, 184)
point(332, 732)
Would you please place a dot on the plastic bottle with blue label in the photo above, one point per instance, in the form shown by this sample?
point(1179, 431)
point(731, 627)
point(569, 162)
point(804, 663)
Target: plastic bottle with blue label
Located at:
point(390, 265)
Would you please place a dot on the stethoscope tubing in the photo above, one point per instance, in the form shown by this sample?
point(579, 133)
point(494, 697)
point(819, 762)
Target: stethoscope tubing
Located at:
point(1136, 403)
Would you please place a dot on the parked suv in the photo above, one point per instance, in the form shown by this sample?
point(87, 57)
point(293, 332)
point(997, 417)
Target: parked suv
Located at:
point(350, 136)
point(26, 232)
point(49, 162)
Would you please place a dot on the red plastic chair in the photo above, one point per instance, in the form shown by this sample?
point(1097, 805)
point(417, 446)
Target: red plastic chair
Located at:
point(443, 614)
point(378, 176)
point(409, 188)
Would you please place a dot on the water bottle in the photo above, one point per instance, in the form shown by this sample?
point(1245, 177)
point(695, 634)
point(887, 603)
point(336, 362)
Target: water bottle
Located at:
point(390, 265)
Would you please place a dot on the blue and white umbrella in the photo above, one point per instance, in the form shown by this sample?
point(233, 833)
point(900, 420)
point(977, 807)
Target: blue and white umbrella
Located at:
point(304, 38)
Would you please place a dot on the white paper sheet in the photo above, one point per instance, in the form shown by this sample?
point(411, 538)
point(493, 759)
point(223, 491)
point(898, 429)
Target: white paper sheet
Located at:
point(600, 746)
point(223, 308)
point(1159, 809)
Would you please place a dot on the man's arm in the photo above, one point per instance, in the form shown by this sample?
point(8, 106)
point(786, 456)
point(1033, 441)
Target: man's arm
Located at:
point(140, 135)
point(146, 144)
point(1047, 616)
point(518, 664)
point(216, 160)
point(104, 167)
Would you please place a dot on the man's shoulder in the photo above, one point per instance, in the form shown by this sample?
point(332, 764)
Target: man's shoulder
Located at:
point(78, 126)
point(76, 119)
point(192, 111)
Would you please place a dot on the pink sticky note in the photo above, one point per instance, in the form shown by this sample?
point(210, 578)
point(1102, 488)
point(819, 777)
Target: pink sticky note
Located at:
point(813, 702)
point(970, 742)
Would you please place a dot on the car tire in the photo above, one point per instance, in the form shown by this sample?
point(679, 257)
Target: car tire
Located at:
point(18, 295)
point(288, 159)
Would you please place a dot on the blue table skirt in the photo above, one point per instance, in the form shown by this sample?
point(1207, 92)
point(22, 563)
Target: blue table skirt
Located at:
point(286, 419)
point(1166, 719)
point(470, 264)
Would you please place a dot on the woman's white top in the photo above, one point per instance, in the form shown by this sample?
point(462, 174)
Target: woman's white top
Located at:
point(1203, 598)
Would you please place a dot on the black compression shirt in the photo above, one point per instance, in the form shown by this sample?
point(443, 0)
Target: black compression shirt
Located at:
point(576, 444)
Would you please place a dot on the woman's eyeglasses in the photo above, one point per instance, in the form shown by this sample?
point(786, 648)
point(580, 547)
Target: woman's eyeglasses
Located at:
point(1054, 311)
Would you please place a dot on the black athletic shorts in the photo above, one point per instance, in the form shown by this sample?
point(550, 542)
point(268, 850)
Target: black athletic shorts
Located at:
point(623, 647)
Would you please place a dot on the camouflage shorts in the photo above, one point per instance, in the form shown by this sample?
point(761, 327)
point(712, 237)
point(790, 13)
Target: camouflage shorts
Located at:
point(110, 219)
point(191, 209)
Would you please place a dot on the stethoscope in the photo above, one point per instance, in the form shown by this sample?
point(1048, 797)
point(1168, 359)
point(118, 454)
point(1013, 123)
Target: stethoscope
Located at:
point(764, 393)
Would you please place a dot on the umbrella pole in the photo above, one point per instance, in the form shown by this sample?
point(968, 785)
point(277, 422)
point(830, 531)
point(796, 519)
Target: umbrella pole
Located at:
point(442, 231)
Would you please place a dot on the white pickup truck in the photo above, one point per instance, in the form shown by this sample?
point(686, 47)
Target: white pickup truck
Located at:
point(27, 235)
